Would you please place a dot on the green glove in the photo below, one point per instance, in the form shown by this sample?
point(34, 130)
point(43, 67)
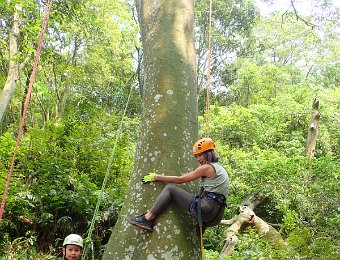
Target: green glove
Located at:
point(149, 178)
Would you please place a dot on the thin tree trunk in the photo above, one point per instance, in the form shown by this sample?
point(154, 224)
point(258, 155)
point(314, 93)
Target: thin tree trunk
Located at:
point(61, 98)
point(169, 127)
point(13, 67)
point(313, 129)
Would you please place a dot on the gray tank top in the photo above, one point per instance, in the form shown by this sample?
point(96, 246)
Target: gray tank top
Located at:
point(219, 183)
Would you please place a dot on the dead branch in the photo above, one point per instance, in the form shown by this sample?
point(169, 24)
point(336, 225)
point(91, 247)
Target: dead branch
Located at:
point(247, 218)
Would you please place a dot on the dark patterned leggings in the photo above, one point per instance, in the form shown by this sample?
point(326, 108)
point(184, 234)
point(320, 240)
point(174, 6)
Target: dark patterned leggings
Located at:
point(173, 194)
point(212, 211)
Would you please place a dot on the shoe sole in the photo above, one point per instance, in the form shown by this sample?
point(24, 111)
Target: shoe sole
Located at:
point(140, 226)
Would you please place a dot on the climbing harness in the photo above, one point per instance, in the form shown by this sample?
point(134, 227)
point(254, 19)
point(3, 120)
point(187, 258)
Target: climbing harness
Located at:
point(195, 206)
point(196, 210)
point(215, 196)
point(221, 199)
point(29, 91)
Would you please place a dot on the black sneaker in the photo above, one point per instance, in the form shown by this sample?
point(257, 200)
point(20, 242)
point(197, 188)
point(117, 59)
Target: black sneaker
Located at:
point(142, 222)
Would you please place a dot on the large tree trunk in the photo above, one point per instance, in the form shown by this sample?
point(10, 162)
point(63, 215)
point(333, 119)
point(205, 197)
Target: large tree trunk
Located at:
point(169, 127)
point(13, 66)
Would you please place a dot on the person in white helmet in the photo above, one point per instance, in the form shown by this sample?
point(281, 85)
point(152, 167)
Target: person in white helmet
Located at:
point(72, 247)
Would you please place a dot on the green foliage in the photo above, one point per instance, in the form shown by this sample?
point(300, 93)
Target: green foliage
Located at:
point(232, 24)
point(262, 144)
point(20, 248)
point(84, 77)
point(251, 83)
point(313, 245)
point(290, 220)
point(86, 57)
point(57, 180)
point(261, 112)
point(210, 254)
point(281, 123)
point(7, 145)
point(212, 239)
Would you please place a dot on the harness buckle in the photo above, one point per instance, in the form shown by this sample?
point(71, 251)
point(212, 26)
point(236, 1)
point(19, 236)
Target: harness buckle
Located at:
point(217, 197)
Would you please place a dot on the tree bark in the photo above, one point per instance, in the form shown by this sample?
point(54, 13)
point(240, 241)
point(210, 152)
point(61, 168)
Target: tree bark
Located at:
point(169, 127)
point(13, 66)
point(313, 129)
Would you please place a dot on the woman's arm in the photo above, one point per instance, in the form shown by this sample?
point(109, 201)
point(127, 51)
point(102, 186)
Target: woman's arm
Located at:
point(205, 170)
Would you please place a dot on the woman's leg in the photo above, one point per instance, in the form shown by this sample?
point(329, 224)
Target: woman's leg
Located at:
point(172, 194)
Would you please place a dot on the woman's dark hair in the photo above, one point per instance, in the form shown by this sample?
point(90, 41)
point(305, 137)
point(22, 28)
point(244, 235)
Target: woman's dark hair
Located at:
point(210, 156)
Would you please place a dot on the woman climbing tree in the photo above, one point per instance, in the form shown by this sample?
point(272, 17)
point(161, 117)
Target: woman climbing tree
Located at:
point(208, 206)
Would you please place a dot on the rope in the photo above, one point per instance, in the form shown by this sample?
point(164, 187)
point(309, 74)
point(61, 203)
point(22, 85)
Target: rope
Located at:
point(88, 240)
point(207, 102)
point(30, 86)
point(202, 246)
point(200, 220)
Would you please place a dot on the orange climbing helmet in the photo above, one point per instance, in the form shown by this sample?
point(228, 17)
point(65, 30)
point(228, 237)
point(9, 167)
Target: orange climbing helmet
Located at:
point(203, 145)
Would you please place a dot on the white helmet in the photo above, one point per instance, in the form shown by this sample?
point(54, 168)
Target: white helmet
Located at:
point(73, 239)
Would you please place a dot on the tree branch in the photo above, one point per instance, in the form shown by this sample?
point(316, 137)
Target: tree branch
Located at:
point(298, 17)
